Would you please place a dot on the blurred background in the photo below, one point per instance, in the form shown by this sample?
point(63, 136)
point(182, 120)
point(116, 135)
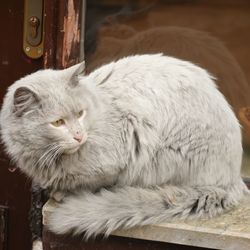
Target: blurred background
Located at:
point(213, 34)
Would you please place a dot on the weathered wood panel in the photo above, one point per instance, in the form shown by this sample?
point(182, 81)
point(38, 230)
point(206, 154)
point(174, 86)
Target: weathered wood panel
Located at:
point(3, 228)
point(62, 33)
point(228, 231)
point(14, 187)
point(53, 242)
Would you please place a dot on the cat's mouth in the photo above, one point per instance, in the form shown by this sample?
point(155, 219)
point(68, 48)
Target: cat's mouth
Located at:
point(75, 147)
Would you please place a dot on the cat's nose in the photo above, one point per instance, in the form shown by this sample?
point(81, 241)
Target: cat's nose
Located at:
point(78, 137)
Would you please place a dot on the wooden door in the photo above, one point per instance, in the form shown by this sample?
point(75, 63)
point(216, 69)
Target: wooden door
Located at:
point(61, 49)
point(14, 187)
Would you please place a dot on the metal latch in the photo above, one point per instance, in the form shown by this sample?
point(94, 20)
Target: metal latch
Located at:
point(33, 34)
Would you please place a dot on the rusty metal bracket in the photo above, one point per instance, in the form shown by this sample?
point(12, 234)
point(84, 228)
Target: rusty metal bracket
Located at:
point(33, 32)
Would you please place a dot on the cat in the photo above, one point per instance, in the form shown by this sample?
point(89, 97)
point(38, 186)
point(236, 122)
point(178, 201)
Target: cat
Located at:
point(138, 141)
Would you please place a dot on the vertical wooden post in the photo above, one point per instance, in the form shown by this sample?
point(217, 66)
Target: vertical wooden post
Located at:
point(50, 29)
point(63, 20)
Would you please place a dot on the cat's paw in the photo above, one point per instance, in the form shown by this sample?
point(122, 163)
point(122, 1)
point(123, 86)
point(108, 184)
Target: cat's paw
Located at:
point(37, 245)
point(58, 196)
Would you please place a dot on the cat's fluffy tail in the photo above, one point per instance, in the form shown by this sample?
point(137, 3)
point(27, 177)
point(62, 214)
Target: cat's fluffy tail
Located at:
point(108, 210)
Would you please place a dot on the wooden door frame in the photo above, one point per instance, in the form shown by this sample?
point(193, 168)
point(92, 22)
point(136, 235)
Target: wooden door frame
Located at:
point(64, 34)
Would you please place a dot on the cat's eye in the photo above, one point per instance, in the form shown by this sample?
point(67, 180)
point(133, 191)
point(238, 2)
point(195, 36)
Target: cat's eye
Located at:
point(58, 123)
point(80, 113)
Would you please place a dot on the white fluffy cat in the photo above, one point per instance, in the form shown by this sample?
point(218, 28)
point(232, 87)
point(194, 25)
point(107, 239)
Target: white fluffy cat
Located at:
point(138, 141)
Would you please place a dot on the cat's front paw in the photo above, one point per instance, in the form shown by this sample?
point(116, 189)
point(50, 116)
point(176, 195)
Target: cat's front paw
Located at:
point(37, 245)
point(58, 196)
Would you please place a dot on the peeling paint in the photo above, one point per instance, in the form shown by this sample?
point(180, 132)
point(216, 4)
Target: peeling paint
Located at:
point(45, 59)
point(71, 32)
point(62, 39)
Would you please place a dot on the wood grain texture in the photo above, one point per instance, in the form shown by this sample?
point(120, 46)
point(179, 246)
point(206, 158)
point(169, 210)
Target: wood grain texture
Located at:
point(68, 41)
point(63, 32)
point(55, 242)
point(14, 64)
point(229, 231)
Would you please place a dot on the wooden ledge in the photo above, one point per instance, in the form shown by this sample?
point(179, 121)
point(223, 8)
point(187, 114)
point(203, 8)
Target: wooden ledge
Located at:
point(229, 231)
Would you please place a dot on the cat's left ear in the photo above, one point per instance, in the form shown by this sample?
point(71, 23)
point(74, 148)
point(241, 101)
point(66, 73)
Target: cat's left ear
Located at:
point(74, 72)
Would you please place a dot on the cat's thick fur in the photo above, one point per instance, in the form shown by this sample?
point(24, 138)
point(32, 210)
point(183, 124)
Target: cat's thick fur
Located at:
point(162, 142)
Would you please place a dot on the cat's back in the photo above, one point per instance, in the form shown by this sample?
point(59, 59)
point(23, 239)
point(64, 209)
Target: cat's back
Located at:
point(166, 72)
point(159, 87)
point(155, 76)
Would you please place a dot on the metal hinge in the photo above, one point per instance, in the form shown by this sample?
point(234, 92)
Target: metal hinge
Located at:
point(33, 33)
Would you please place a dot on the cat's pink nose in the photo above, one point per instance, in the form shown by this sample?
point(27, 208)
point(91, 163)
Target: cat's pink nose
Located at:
point(78, 137)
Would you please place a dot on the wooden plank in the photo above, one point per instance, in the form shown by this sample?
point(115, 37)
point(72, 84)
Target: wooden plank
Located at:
point(229, 231)
point(62, 33)
point(3, 227)
point(50, 28)
point(69, 33)
point(55, 242)
point(14, 64)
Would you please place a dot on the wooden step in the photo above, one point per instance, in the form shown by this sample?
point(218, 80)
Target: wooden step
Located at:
point(230, 231)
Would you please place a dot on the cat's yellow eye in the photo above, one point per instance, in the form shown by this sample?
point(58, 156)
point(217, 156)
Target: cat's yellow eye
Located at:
point(80, 113)
point(58, 123)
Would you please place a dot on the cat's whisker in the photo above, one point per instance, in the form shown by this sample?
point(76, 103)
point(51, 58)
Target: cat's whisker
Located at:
point(45, 157)
point(45, 163)
point(54, 156)
point(50, 147)
point(48, 155)
point(51, 155)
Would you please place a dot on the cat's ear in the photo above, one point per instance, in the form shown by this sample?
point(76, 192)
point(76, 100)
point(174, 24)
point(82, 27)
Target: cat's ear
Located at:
point(25, 100)
point(74, 72)
point(101, 75)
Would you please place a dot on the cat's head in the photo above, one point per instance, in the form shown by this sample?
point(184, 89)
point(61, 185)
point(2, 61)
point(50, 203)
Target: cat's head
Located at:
point(47, 111)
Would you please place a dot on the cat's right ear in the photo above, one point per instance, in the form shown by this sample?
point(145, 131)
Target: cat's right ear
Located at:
point(25, 100)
